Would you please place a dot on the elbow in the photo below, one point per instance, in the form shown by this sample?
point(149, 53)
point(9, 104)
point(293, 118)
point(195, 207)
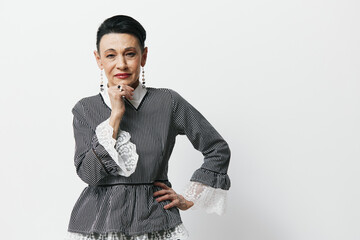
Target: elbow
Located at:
point(226, 152)
point(87, 180)
point(225, 155)
point(229, 151)
point(86, 177)
point(87, 172)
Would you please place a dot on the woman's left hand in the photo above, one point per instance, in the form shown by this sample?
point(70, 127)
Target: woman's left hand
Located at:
point(168, 193)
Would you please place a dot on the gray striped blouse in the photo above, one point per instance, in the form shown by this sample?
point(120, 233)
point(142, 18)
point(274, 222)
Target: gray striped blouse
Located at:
point(124, 203)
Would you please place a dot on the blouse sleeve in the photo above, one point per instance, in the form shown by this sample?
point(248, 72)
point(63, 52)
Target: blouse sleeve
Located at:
point(210, 183)
point(97, 154)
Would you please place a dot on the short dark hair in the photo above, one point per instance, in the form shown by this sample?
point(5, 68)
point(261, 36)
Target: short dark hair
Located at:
point(121, 24)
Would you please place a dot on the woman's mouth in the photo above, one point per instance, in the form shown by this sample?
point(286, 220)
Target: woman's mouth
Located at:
point(122, 75)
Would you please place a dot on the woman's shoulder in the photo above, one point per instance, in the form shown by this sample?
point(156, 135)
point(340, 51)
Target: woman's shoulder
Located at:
point(169, 92)
point(87, 102)
point(169, 95)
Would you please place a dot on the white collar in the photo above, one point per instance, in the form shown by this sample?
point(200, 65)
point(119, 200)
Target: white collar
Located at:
point(139, 93)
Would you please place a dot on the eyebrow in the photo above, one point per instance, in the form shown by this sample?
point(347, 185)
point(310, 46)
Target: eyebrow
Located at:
point(128, 48)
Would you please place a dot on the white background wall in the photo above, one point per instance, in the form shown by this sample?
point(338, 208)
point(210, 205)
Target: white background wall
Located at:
point(278, 79)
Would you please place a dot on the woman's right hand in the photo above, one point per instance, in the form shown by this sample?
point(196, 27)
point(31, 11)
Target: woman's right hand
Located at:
point(118, 105)
point(116, 98)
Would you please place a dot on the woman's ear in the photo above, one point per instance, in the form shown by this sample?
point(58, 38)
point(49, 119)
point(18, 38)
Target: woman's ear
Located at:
point(144, 57)
point(98, 59)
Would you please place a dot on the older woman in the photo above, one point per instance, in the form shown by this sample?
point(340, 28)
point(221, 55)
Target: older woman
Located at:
point(124, 137)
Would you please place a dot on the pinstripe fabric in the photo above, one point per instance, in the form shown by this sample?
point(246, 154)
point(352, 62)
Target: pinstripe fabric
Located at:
point(114, 203)
point(188, 121)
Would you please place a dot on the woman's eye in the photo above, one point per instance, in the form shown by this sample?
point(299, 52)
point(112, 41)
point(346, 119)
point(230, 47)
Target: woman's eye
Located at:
point(130, 54)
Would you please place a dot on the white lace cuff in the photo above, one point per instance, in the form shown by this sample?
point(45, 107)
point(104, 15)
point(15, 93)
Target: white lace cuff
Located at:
point(121, 150)
point(212, 200)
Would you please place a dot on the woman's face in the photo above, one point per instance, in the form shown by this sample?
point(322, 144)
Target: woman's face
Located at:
point(120, 56)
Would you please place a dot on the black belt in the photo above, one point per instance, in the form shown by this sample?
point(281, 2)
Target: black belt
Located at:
point(114, 184)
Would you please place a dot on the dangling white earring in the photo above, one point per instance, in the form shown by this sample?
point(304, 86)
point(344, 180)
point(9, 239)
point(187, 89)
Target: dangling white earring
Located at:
point(143, 78)
point(102, 81)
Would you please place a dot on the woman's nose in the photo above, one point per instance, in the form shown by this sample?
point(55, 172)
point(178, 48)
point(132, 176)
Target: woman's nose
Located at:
point(121, 63)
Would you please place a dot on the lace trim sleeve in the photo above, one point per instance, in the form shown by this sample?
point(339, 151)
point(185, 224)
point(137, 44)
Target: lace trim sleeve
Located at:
point(121, 150)
point(212, 200)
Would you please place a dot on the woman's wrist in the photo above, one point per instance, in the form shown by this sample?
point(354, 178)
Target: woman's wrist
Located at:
point(115, 119)
point(117, 113)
